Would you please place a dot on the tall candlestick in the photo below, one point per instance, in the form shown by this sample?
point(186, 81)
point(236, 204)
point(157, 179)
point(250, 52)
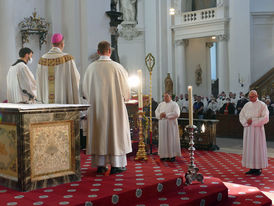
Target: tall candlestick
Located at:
point(141, 153)
point(190, 105)
point(140, 93)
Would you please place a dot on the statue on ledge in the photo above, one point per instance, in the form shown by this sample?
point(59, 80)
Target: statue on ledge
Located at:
point(168, 84)
point(129, 10)
point(128, 29)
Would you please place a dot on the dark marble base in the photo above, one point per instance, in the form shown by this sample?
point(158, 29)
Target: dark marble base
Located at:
point(47, 151)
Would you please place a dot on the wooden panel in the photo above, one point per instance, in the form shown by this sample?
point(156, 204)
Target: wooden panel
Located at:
point(230, 126)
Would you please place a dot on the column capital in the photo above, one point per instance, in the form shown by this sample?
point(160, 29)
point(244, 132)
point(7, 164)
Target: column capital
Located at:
point(182, 42)
point(179, 42)
point(223, 37)
point(209, 44)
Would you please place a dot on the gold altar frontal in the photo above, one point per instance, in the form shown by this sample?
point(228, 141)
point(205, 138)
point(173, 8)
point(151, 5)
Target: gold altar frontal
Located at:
point(39, 145)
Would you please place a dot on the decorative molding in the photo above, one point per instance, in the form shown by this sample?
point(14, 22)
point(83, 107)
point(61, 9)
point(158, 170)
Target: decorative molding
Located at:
point(209, 44)
point(182, 42)
point(223, 37)
point(179, 42)
point(262, 13)
point(129, 30)
point(185, 42)
point(34, 25)
point(220, 3)
point(213, 27)
point(263, 19)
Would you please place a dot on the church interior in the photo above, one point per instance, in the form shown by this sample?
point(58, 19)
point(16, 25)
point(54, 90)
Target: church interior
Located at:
point(201, 52)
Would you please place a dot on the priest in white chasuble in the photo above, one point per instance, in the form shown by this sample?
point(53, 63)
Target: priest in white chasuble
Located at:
point(253, 117)
point(105, 86)
point(21, 85)
point(169, 140)
point(57, 75)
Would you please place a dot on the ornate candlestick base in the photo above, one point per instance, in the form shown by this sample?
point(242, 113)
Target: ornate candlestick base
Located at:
point(141, 153)
point(192, 173)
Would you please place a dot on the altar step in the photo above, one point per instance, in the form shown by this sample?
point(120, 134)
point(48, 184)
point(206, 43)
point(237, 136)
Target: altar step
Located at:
point(154, 182)
point(169, 192)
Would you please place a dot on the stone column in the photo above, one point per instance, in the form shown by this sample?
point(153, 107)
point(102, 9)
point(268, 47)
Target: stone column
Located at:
point(180, 66)
point(208, 65)
point(8, 53)
point(83, 37)
point(152, 46)
point(222, 63)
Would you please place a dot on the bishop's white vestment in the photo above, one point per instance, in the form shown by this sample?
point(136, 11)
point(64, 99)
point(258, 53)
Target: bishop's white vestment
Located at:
point(105, 86)
point(169, 139)
point(20, 83)
point(254, 142)
point(57, 78)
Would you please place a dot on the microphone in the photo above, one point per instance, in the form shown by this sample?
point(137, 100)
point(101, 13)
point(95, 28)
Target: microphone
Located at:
point(27, 93)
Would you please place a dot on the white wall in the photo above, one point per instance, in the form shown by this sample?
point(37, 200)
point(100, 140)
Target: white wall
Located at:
point(262, 38)
point(239, 44)
point(261, 5)
point(19, 15)
point(195, 55)
point(97, 23)
point(263, 46)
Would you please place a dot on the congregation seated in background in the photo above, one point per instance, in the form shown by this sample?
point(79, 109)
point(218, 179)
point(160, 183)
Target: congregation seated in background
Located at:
point(228, 107)
point(221, 105)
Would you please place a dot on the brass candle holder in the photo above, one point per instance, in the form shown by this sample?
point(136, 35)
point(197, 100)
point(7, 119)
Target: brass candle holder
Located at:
point(141, 153)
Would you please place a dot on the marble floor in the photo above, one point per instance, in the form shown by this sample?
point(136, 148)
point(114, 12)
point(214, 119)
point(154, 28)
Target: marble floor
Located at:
point(231, 145)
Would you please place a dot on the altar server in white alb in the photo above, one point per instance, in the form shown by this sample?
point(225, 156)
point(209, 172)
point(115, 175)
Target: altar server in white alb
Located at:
point(105, 86)
point(169, 140)
point(253, 117)
point(21, 85)
point(57, 75)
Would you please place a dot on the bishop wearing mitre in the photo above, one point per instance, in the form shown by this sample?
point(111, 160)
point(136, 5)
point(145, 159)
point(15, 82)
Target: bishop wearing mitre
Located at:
point(57, 75)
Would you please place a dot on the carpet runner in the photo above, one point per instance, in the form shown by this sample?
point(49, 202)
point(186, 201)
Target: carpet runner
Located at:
point(157, 183)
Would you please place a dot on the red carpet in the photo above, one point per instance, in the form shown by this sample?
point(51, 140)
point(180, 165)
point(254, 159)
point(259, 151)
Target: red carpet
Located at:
point(157, 183)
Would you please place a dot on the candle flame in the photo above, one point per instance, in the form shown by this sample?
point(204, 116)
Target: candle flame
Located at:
point(203, 128)
point(133, 81)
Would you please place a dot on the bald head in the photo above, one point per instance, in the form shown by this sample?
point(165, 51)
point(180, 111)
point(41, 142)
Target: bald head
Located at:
point(253, 96)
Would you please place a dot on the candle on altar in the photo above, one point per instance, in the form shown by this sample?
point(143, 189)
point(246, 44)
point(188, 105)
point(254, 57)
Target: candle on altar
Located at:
point(140, 93)
point(190, 105)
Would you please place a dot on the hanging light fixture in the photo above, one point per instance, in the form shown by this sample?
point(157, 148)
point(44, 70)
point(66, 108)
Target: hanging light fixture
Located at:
point(172, 11)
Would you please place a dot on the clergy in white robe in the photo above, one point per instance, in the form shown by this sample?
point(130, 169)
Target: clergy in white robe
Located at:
point(253, 117)
point(57, 76)
point(185, 104)
point(169, 140)
point(21, 85)
point(105, 86)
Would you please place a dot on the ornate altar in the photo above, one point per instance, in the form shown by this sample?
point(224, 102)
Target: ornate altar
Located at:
point(39, 145)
